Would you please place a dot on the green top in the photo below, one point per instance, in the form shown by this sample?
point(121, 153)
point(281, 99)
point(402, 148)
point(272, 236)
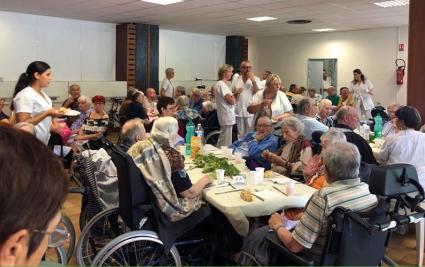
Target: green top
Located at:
point(334, 99)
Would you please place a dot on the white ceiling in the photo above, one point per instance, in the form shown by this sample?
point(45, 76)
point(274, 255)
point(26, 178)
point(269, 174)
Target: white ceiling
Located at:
point(224, 17)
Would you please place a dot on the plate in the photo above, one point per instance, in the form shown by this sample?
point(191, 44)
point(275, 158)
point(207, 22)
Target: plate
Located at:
point(72, 113)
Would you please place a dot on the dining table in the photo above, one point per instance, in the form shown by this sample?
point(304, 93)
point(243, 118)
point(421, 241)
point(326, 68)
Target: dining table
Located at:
point(268, 196)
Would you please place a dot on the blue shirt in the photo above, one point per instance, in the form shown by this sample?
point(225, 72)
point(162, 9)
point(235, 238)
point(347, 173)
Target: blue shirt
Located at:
point(252, 149)
point(196, 105)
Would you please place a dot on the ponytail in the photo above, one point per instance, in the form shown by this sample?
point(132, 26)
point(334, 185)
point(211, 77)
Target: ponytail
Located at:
point(23, 81)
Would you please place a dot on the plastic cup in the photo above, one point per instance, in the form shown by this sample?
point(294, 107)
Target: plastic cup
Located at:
point(290, 187)
point(238, 157)
point(220, 175)
point(260, 174)
point(252, 178)
point(182, 149)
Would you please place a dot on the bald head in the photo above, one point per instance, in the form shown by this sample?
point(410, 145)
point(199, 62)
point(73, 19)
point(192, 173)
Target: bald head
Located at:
point(133, 131)
point(150, 94)
point(348, 115)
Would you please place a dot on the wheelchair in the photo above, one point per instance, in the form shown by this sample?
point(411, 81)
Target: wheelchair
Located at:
point(361, 239)
point(136, 232)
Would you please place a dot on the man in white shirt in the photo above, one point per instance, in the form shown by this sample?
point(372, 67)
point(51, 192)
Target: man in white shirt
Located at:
point(167, 88)
point(306, 114)
point(243, 88)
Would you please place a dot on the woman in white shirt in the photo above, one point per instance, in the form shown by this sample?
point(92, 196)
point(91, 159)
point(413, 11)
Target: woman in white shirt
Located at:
point(31, 104)
point(361, 89)
point(225, 101)
point(271, 102)
point(406, 146)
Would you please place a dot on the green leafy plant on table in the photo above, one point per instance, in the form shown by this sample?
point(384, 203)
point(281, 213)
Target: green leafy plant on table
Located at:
point(209, 163)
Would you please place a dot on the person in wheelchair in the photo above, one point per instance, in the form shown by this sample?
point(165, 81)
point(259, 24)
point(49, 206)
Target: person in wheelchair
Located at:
point(131, 132)
point(209, 118)
point(33, 188)
point(253, 144)
point(341, 163)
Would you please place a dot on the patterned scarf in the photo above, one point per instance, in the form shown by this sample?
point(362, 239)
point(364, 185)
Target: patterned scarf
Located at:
point(152, 161)
point(295, 152)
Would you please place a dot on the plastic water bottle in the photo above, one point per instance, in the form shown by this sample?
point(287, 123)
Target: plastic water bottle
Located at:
point(378, 126)
point(366, 132)
point(190, 129)
point(199, 131)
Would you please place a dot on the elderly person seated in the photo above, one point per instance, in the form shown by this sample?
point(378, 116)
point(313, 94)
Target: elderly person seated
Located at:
point(341, 167)
point(346, 99)
point(184, 112)
point(314, 171)
point(135, 108)
point(333, 96)
point(209, 118)
point(270, 101)
point(180, 90)
point(325, 110)
point(196, 100)
point(150, 103)
point(95, 125)
point(33, 188)
point(407, 146)
point(131, 132)
point(84, 106)
point(123, 107)
point(293, 90)
point(390, 128)
point(296, 152)
point(348, 120)
point(306, 114)
point(72, 101)
point(254, 143)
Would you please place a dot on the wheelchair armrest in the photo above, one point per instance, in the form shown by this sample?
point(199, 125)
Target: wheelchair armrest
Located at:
point(277, 245)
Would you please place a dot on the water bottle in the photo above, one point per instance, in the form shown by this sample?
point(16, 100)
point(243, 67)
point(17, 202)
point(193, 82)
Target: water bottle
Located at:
point(366, 132)
point(378, 126)
point(190, 129)
point(199, 131)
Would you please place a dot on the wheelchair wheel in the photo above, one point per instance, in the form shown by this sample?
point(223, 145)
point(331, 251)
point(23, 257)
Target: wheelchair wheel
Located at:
point(55, 256)
point(69, 245)
point(96, 234)
point(137, 248)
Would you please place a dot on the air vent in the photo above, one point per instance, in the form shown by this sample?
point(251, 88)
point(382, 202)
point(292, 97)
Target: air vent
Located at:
point(299, 21)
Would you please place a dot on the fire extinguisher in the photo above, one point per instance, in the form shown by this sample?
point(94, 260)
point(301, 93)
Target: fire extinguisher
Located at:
point(400, 71)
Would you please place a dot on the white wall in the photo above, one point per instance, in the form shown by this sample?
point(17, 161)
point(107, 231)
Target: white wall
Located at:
point(373, 51)
point(192, 55)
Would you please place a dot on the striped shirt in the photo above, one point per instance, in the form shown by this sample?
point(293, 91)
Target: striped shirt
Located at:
point(312, 230)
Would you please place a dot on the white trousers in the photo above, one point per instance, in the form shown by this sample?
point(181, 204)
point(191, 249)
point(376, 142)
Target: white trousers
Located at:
point(244, 125)
point(225, 137)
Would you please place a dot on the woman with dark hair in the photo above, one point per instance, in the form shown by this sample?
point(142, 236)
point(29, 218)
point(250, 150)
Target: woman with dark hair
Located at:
point(361, 89)
point(31, 104)
point(136, 109)
point(408, 145)
point(34, 187)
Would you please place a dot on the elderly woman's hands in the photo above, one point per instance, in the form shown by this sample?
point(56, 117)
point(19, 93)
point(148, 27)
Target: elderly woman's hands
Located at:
point(312, 166)
point(266, 154)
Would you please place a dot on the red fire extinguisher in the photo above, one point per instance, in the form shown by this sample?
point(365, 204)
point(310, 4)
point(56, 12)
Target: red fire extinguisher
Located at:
point(400, 71)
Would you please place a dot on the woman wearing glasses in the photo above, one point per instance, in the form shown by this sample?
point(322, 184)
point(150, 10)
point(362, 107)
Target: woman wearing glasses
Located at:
point(33, 187)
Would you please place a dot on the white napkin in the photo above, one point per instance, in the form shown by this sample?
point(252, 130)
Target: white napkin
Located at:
point(267, 194)
point(281, 180)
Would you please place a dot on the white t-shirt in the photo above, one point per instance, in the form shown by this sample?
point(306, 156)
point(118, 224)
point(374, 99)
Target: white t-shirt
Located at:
point(407, 146)
point(168, 87)
point(361, 91)
point(29, 101)
point(225, 111)
point(279, 105)
point(245, 98)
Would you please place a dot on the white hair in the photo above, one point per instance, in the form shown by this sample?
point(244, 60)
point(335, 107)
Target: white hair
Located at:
point(182, 101)
point(324, 102)
point(165, 128)
point(294, 123)
point(333, 136)
point(209, 106)
point(342, 161)
point(84, 98)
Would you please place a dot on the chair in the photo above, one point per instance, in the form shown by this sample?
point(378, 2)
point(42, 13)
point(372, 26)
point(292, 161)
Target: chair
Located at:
point(361, 239)
point(136, 232)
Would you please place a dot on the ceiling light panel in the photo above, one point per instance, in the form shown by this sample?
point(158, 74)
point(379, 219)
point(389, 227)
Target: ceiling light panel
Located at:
point(261, 19)
point(163, 2)
point(393, 3)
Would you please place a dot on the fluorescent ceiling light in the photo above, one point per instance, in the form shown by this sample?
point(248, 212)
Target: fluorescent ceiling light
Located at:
point(393, 3)
point(260, 19)
point(163, 2)
point(324, 30)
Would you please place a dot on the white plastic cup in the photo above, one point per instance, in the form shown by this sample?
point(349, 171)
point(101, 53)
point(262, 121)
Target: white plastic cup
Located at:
point(252, 178)
point(238, 157)
point(260, 174)
point(182, 149)
point(290, 187)
point(220, 175)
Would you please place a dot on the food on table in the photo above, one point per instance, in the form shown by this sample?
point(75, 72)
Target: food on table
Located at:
point(210, 163)
point(246, 195)
point(63, 110)
point(269, 174)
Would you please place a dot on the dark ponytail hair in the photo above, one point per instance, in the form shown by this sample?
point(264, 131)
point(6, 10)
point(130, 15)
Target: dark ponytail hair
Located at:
point(27, 78)
point(362, 77)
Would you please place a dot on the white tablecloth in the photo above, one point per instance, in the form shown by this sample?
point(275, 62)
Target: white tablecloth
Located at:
point(238, 210)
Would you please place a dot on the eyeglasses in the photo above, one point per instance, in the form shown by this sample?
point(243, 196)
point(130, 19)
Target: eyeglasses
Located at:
point(263, 125)
point(56, 238)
